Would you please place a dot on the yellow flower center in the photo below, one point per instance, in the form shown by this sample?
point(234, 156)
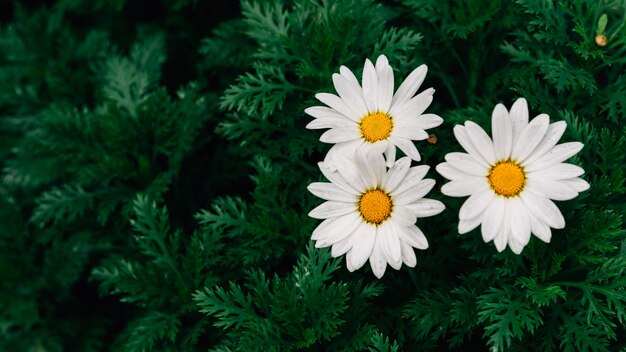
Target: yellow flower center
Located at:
point(375, 206)
point(507, 178)
point(376, 126)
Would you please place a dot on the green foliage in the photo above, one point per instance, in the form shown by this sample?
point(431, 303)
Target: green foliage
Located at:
point(382, 344)
point(506, 317)
point(161, 282)
point(298, 311)
point(155, 162)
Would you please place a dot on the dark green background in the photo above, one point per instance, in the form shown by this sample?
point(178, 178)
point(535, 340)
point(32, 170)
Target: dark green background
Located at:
point(154, 165)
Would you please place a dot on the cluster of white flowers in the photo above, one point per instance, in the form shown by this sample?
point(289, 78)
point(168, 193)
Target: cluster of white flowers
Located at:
point(373, 200)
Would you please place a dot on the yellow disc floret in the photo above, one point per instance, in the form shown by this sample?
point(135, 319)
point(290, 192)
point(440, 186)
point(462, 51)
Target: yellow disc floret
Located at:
point(376, 126)
point(375, 206)
point(507, 178)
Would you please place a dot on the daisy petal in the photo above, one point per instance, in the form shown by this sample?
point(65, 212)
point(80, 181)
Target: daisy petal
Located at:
point(427, 121)
point(368, 175)
point(414, 193)
point(347, 74)
point(476, 204)
point(396, 174)
point(451, 173)
point(363, 245)
point(370, 86)
point(377, 164)
point(413, 108)
point(481, 141)
point(342, 247)
point(552, 136)
point(415, 175)
point(390, 244)
point(337, 179)
point(503, 235)
point(348, 170)
point(349, 262)
point(412, 178)
point(346, 149)
point(407, 147)
point(324, 112)
point(518, 219)
point(403, 216)
point(338, 229)
point(467, 163)
point(461, 135)
point(515, 245)
point(331, 209)
point(530, 137)
point(415, 134)
point(465, 187)
point(385, 88)
point(325, 242)
point(352, 97)
point(329, 191)
point(501, 240)
point(543, 209)
point(556, 155)
point(502, 131)
point(492, 220)
point(413, 236)
point(381, 62)
point(408, 255)
point(578, 184)
point(321, 229)
point(378, 262)
point(377, 147)
point(390, 154)
point(552, 189)
point(396, 265)
point(426, 207)
point(519, 118)
point(539, 228)
point(338, 105)
point(329, 122)
point(411, 84)
point(467, 225)
point(339, 135)
point(558, 172)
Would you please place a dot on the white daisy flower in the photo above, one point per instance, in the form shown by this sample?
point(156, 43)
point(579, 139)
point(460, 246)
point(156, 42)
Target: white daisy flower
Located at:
point(513, 179)
point(370, 213)
point(372, 117)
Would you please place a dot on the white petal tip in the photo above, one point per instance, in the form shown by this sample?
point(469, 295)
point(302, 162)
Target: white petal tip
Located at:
point(584, 187)
point(423, 246)
point(437, 120)
point(320, 244)
point(308, 125)
point(318, 95)
point(499, 106)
